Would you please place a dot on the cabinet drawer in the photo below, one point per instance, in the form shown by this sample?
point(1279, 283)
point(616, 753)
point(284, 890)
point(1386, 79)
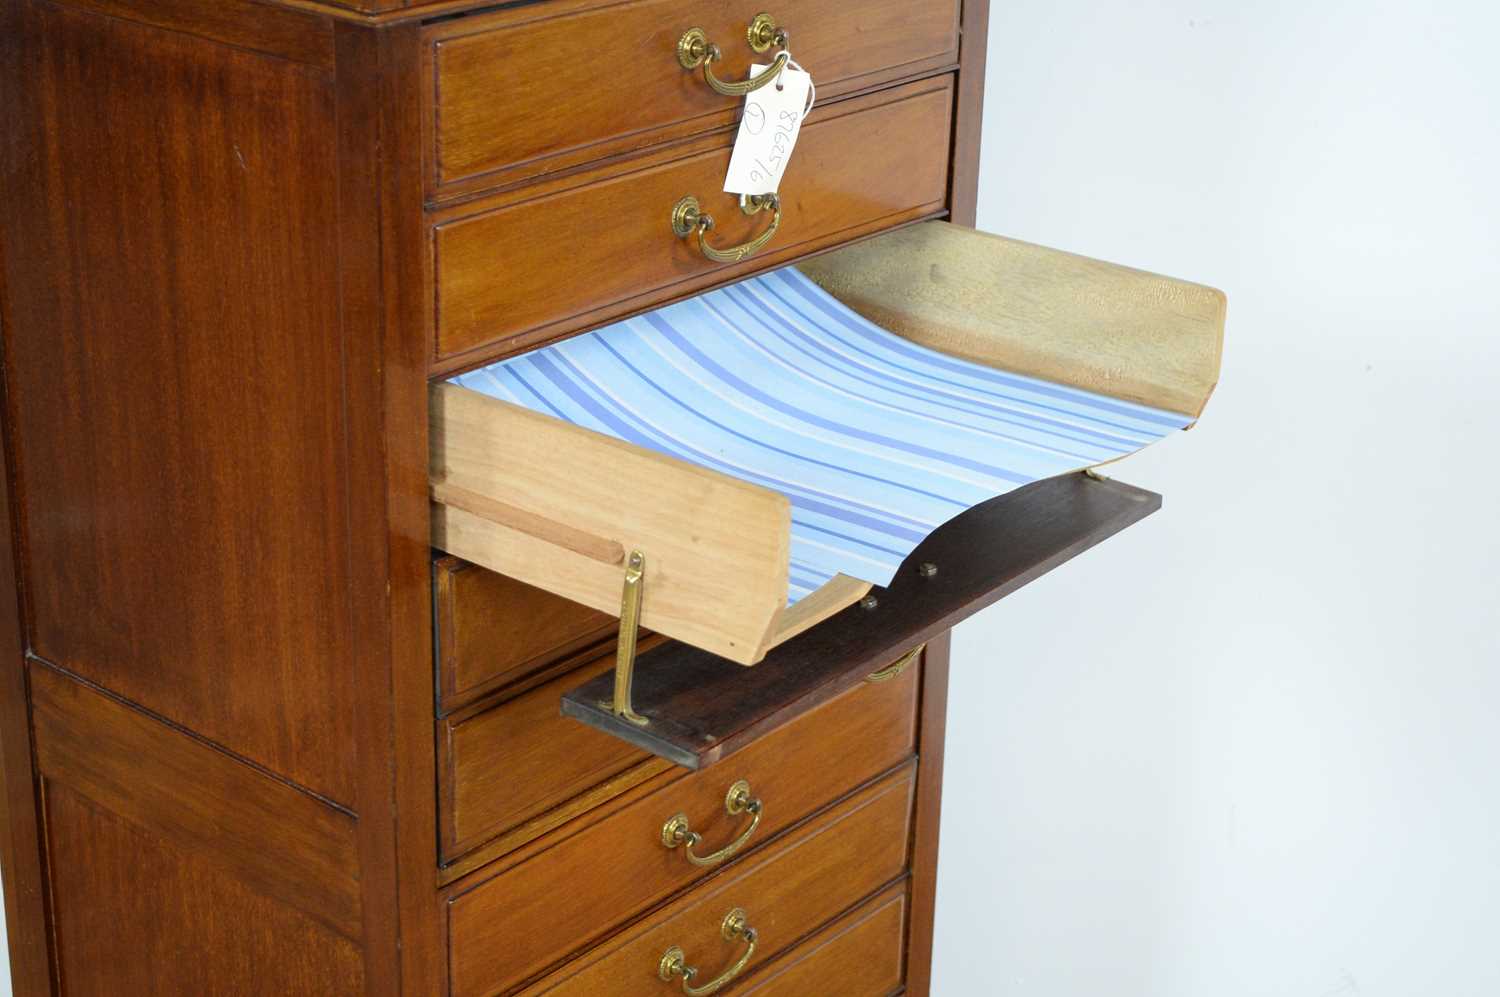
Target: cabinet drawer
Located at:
point(565, 505)
point(860, 955)
point(530, 90)
point(611, 864)
point(547, 263)
point(784, 894)
point(557, 505)
point(490, 629)
point(508, 764)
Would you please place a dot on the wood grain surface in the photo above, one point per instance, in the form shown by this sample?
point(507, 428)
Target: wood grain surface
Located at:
point(180, 450)
point(787, 892)
point(561, 260)
point(968, 113)
point(520, 758)
point(1027, 309)
point(261, 27)
point(859, 955)
point(389, 592)
point(278, 840)
point(610, 866)
point(491, 629)
point(543, 87)
point(27, 930)
point(715, 547)
point(177, 922)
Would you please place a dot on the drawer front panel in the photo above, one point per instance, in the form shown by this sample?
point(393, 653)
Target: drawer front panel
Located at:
point(532, 91)
point(800, 883)
point(515, 275)
point(516, 760)
point(860, 955)
point(491, 629)
point(614, 865)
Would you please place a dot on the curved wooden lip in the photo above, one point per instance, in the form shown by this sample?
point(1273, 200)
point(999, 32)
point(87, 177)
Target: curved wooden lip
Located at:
point(1068, 319)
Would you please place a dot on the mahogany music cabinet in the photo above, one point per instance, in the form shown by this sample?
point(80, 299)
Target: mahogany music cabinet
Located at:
point(262, 731)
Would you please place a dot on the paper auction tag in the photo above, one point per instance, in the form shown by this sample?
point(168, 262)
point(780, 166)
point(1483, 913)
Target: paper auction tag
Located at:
point(768, 130)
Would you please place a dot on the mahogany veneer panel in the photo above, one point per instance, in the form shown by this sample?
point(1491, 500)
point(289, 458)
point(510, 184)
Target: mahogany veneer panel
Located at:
point(289, 846)
point(168, 910)
point(289, 34)
point(703, 708)
point(176, 383)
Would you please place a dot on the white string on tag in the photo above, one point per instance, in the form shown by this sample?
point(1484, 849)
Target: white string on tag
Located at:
point(812, 88)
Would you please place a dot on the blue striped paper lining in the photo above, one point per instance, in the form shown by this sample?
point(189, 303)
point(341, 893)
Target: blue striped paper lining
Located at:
point(876, 441)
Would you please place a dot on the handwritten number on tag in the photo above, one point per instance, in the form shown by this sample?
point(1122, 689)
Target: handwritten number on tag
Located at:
point(768, 130)
point(755, 118)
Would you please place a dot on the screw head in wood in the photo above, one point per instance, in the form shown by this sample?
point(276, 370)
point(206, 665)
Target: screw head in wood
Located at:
point(869, 602)
point(926, 569)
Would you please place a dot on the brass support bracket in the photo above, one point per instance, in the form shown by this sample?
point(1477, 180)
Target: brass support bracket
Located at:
point(630, 631)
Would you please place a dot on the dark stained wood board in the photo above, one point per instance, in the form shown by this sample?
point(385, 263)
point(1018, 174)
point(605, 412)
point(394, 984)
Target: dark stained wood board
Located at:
point(703, 708)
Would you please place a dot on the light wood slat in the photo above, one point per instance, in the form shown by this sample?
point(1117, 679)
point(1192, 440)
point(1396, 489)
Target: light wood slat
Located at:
point(548, 530)
point(716, 548)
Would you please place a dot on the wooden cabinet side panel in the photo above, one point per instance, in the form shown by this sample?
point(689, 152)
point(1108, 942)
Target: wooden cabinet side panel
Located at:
point(385, 385)
point(175, 376)
point(175, 922)
point(20, 830)
point(291, 848)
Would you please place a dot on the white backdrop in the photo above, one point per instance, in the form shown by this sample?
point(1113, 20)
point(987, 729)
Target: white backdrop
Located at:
point(1250, 747)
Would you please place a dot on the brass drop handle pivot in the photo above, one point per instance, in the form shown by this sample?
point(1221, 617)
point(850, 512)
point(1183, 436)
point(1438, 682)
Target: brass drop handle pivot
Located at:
point(688, 217)
point(678, 832)
point(674, 960)
point(694, 50)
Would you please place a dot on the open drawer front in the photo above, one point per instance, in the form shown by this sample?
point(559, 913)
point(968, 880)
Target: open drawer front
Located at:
point(568, 509)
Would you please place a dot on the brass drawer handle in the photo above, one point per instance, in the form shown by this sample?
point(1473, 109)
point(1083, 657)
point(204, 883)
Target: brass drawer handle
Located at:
point(902, 664)
point(674, 960)
point(694, 50)
point(688, 218)
point(679, 832)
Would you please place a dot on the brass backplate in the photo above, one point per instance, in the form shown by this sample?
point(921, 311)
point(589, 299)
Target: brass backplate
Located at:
point(762, 31)
point(685, 214)
point(692, 48)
